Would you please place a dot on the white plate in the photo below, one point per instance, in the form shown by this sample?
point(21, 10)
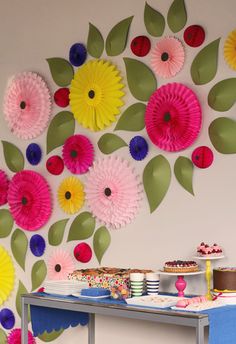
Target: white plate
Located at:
point(91, 297)
point(159, 301)
point(200, 306)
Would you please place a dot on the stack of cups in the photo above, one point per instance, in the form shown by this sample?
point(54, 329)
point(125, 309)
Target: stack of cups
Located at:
point(136, 283)
point(152, 283)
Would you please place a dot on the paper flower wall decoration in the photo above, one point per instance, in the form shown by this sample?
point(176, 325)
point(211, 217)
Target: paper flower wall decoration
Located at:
point(61, 97)
point(194, 35)
point(167, 57)
point(78, 154)
point(60, 264)
point(55, 165)
point(71, 195)
point(78, 54)
point(113, 192)
point(83, 252)
point(7, 318)
point(7, 275)
point(138, 147)
point(229, 50)
point(27, 105)
point(140, 46)
point(95, 94)
point(4, 184)
point(34, 154)
point(37, 245)
point(29, 200)
point(173, 117)
point(14, 337)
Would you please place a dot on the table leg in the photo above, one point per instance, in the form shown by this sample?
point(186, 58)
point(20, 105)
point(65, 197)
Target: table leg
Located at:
point(180, 285)
point(208, 279)
point(24, 321)
point(200, 334)
point(91, 329)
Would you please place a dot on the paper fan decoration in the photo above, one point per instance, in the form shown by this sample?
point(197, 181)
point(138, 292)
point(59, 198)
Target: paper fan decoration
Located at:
point(113, 192)
point(78, 54)
point(194, 35)
point(27, 105)
point(29, 200)
point(37, 245)
point(71, 195)
point(173, 117)
point(60, 264)
point(7, 318)
point(4, 184)
point(229, 50)
point(167, 57)
point(14, 337)
point(34, 154)
point(7, 275)
point(140, 46)
point(55, 165)
point(78, 154)
point(95, 94)
point(83, 252)
point(61, 97)
point(138, 148)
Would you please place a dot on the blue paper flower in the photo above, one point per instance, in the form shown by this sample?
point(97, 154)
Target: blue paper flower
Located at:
point(33, 154)
point(37, 245)
point(78, 54)
point(7, 318)
point(138, 148)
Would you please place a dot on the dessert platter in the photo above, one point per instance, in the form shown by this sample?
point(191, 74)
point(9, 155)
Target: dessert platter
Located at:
point(197, 304)
point(159, 301)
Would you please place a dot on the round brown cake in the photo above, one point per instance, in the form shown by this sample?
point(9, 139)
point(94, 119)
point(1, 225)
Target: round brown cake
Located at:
point(181, 266)
point(224, 279)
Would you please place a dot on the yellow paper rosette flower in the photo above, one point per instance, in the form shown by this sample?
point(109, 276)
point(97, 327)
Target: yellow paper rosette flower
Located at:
point(7, 275)
point(71, 195)
point(230, 50)
point(95, 94)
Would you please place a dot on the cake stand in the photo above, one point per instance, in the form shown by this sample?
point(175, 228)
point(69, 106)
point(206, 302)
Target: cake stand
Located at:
point(180, 283)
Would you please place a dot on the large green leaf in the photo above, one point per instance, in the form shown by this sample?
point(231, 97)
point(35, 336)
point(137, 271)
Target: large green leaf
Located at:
point(19, 246)
point(3, 337)
point(156, 180)
point(49, 337)
point(154, 21)
point(56, 232)
point(61, 70)
point(95, 42)
point(177, 16)
point(38, 274)
point(101, 242)
point(6, 223)
point(222, 132)
point(141, 80)
point(204, 65)
point(13, 157)
point(222, 96)
point(61, 127)
point(109, 143)
point(82, 227)
point(184, 173)
point(21, 290)
point(117, 37)
point(132, 118)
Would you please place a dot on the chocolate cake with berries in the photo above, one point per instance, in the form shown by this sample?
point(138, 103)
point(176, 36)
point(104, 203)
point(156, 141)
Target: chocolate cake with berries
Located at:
point(181, 266)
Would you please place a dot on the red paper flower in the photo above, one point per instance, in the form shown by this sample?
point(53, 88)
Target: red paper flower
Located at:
point(140, 46)
point(55, 165)
point(194, 35)
point(4, 184)
point(202, 157)
point(83, 252)
point(61, 97)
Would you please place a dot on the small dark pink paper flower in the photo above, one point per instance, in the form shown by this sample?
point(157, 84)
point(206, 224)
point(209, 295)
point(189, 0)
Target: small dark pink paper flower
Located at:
point(14, 337)
point(4, 184)
point(83, 252)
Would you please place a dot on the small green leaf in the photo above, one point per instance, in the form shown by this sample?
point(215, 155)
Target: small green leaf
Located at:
point(61, 70)
point(6, 223)
point(141, 80)
point(109, 143)
point(21, 290)
point(117, 37)
point(19, 246)
point(154, 21)
point(222, 96)
point(95, 42)
point(156, 180)
point(3, 337)
point(184, 173)
point(132, 118)
point(13, 157)
point(49, 337)
point(177, 16)
point(204, 65)
point(38, 274)
point(82, 227)
point(61, 127)
point(56, 232)
point(222, 132)
point(101, 242)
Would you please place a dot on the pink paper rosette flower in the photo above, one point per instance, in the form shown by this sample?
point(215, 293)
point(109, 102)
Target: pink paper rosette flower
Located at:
point(78, 154)
point(113, 192)
point(4, 184)
point(29, 200)
point(173, 117)
point(14, 337)
point(27, 105)
point(167, 57)
point(60, 264)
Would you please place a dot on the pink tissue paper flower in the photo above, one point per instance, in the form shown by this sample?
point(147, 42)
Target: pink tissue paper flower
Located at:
point(4, 184)
point(60, 264)
point(14, 337)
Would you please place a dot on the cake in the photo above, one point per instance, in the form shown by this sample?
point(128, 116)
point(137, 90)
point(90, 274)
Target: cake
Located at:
point(181, 266)
point(205, 250)
point(224, 279)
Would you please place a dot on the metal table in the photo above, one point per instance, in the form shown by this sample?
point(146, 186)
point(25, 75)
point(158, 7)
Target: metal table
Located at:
point(197, 320)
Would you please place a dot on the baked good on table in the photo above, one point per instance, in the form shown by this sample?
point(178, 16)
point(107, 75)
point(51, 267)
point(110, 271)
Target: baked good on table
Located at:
point(224, 279)
point(185, 302)
point(205, 250)
point(181, 266)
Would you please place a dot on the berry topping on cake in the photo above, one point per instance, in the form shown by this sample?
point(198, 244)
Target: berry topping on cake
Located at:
point(204, 250)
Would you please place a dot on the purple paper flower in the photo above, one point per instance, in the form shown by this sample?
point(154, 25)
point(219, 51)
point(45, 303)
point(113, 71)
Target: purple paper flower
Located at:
point(78, 54)
point(37, 245)
point(138, 148)
point(7, 318)
point(33, 154)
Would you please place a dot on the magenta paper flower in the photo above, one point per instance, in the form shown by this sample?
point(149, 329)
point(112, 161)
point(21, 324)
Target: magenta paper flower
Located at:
point(167, 57)
point(4, 184)
point(173, 117)
point(78, 154)
point(113, 192)
point(29, 200)
point(27, 105)
point(60, 264)
point(14, 337)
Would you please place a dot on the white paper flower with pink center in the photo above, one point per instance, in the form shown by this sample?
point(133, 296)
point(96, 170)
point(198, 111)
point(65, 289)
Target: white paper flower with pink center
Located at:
point(60, 264)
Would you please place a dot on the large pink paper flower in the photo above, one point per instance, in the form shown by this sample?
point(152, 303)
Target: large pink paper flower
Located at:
point(173, 117)
point(113, 192)
point(167, 57)
point(60, 264)
point(29, 200)
point(14, 337)
point(4, 184)
point(78, 154)
point(27, 105)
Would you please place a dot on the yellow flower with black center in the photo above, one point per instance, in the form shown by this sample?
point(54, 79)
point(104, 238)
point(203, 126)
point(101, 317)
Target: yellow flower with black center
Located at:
point(71, 195)
point(7, 275)
point(230, 50)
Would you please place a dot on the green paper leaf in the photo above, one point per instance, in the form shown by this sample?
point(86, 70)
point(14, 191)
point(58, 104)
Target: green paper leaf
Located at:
point(117, 37)
point(132, 118)
point(95, 42)
point(3, 337)
point(6, 223)
point(61, 70)
point(61, 127)
point(222, 96)
point(154, 21)
point(21, 290)
point(156, 180)
point(49, 337)
point(13, 157)
point(109, 143)
point(184, 173)
point(82, 227)
point(101, 242)
point(38, 274)
point(19, 246)
point(204, 65)
point(56, 232)
point(222, 132)
point(177, 16)
point(141, 80)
